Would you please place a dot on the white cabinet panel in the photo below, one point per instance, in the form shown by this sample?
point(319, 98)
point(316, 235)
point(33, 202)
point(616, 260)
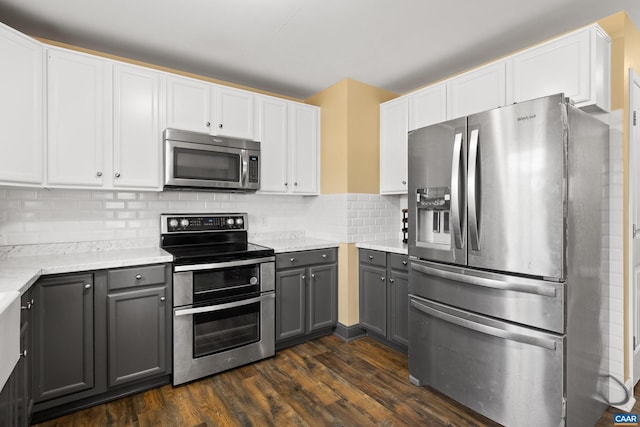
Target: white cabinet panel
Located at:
point(393, 146)
point(478, 90)
point(78, 119)
point(428, 106)
point(304, 148)
point(189, 104)
point(234, 113)
point(576, 65)
point(273, 129)
point(136, 128)
point(21, 109)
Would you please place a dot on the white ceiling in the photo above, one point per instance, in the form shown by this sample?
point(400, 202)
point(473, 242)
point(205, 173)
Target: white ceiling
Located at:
point(299, 47)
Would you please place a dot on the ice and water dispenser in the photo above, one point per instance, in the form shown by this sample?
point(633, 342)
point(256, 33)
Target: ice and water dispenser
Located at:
point(433, 211)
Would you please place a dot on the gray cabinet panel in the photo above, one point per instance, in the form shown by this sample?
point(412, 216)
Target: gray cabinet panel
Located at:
point(63, 336)
point(322, 298)
point(399, 307)
point(373, 257)
point(373, 298)
point(290, 303)
point(136, 334)
point(306, 258)
point(136, 276)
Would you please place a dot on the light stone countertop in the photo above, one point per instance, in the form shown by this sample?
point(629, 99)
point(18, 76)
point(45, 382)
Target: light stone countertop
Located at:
point(297, 244)
point(394, 246)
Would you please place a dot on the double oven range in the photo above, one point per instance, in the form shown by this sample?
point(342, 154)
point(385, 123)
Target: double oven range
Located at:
point(223, 294)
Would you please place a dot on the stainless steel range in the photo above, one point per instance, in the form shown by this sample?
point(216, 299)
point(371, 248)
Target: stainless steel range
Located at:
point(224, 294)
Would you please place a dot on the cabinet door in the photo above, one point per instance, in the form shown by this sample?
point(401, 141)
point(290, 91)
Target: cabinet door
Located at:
point(304, 147)
point(399, 307)
point(136, 128)
point(290, 303)
point(21, 108)
point(393, 146)
point(322, 297)
point(562, 65)
point(373, 298)
point(24, 394)
point(234, 112)
point(189, 104)
point(63, 336)
point(136, 336)
point(476, 91)
point(273, 145)
point(428, 106)
point(77, 122)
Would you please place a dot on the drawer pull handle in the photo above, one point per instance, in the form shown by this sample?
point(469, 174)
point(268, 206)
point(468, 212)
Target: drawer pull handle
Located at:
point(324, 256)
point(404, 262)
point(370, 256)
point(292, 260)
point(87, 286)
point(163, 299)
point(138, 277)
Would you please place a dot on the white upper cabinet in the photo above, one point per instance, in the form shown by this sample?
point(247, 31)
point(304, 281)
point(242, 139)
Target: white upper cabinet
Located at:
point(478, 90)
point(79, 119)
point(393, 146)
point(209, 108)
point(273, 134)
point(21, 109)
point(189, 104)
point(428, 106)
point(577, 65)
point(304, 144)
point(137, 135)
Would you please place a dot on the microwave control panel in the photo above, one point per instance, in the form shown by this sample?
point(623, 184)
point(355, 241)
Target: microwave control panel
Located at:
point(254, 172)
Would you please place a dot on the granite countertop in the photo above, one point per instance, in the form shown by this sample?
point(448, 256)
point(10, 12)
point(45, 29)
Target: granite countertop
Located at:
point(20, 272)
point(394, 246)
point(297, 244)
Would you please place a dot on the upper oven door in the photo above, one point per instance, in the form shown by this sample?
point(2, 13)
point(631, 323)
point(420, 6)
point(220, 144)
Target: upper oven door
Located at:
point(190, 164)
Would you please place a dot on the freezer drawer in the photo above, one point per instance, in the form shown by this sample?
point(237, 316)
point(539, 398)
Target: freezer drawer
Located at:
point(511, 374)
point(537, 303)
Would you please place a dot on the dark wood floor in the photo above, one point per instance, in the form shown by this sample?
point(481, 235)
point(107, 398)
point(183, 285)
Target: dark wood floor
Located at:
point(325, 382)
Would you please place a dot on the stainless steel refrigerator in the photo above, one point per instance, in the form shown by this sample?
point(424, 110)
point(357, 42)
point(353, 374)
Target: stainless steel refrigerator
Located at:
point(507, 219)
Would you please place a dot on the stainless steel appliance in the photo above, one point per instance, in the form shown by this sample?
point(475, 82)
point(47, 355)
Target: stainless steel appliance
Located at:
point(507, 210)
point(223, 294)
point(201, 161)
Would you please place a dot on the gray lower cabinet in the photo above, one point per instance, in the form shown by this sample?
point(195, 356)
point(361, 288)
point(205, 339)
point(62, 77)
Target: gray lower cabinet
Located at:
point(306, 295)
point(16, 399)
point(63, 333)
point(99, 335)
point(384, 295)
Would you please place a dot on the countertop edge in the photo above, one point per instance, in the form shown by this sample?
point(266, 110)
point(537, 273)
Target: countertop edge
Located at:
point(385, 246)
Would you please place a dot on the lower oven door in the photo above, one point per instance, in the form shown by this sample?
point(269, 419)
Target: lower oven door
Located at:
point(214, 338)
point(509, 373)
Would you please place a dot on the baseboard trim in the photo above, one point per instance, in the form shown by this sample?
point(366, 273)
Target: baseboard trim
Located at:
point(349, 333)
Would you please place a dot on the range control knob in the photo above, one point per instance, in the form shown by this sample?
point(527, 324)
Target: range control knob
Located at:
point(184, 222)
point(173, 223)
point(239, 221)
point(230, 221)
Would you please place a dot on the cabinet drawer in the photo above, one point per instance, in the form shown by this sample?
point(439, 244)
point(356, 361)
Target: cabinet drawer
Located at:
point(373, 257)
point(135, 276)
point(304, 258)
point(399, 262)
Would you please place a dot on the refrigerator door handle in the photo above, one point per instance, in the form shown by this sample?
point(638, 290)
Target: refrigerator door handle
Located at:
point(536, 287)
point(485, 329)
point(474, 232)
point(455, 190)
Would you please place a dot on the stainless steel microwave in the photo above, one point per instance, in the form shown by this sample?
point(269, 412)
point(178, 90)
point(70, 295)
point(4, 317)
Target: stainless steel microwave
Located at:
point(195, 161)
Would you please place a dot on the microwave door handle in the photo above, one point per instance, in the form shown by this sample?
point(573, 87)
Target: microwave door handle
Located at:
point(455, 191)
point(474, 196)
point(245, 167)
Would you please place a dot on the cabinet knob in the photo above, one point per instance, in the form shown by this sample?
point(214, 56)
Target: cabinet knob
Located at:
point(382, 278)
point(295, 184)
point(138, 276)
point(370, 256)
point(302, 276)
point(28, 306)
point(324, 256)
point(220, 125)
point(292, 260)
point(404, 182)
point(98, 174)
point(163, 299)
point(87, 286)
point(208, 124)
point(313, 275)
point(117, 174)
point(391, 280)
point(286, 184)
point(404, 262)
point(24, 353)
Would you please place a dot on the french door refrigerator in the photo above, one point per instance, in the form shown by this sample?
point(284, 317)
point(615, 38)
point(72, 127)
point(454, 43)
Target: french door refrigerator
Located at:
point(507, 219)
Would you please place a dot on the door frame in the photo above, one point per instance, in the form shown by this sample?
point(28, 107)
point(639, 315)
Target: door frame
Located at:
point(633, 309)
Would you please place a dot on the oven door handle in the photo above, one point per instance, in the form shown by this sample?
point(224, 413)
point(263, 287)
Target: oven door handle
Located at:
point(179, 268)
point(218, 307)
